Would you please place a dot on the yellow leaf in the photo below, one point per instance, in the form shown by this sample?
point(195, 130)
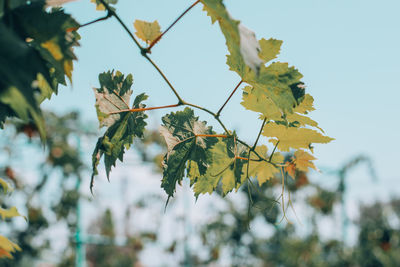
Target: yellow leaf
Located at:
point(306, 105)
point(147, 31)
point(261, 169)
point(303, 160)
point(53, 48)
point(99, 7)
point(302, 120)
point(68, 67)
point(5, 254)
point(260, 103)
point(293, 137)
point(7, 246)
point(6, 186)
point(10, 213)
point(291, 169)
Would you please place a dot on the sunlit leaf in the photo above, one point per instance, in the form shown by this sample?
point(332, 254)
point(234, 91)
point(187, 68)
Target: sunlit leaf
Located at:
point(241, 42)
point(147, 31)
point(261, 169)
point(7, 247)
point(225, 168)
point(293, 137)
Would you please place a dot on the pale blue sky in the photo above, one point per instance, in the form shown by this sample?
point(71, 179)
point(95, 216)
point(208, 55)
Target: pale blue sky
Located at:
point(346, 50)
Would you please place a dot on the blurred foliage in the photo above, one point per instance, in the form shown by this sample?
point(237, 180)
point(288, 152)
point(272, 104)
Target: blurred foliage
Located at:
point(61, 166)
point(230, 237)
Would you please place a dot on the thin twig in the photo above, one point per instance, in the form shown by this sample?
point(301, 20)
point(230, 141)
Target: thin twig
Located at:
point(109, 15)
point(142, 109)
point(112, 12)
point(229, 98)
point(259, 133)
point(148, 49)
point(273, 151)
point(165, 78)
point(212, 135)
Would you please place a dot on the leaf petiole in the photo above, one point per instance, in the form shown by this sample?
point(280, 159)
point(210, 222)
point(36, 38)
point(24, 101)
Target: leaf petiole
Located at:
point(143, 109)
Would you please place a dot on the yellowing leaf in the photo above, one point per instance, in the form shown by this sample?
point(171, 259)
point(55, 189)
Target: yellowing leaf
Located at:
point(269, 49)
point(100, 6)
point(10, 213)
point(6, 186)
point(291, 169)
point(147, 31)
point(293, 137)
point(261, 169)
point(302, 120)
point(303, 160)
point(241, 42)
point(306, 105)
point(53, 48)
point(7, 247)
point(224, 167)
point(259, 102)
point(68, 67)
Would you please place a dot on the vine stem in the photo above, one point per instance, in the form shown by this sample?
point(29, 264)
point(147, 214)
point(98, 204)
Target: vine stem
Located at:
point(148, 49)
point(142, 50)
point(229, 98)
point(142, 109)
point(212, 135)
point(109, 15)
point(273, 151)
point(180, 100)
point(259, 133)
point(112, 12)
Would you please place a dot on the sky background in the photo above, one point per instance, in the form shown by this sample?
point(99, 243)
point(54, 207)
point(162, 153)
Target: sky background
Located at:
point(348, 52)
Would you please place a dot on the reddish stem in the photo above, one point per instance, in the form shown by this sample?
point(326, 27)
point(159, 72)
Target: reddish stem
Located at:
point(229, 98)
point(148, 49)
point(143, 109)
point(212, 135)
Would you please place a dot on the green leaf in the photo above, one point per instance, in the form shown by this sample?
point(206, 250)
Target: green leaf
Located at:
point(241, 42)
point(113, 95)
point(293, 137)
point(36, 53)
point(225, 168)
point(180, 130)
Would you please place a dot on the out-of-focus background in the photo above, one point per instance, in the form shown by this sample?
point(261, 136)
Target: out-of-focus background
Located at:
point(346, 215)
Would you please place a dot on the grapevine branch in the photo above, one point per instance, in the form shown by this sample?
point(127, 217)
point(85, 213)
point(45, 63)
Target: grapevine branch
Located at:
point(273, 151)
point(259, 134)
point(143, 52)
point(109, 15)
point(229, 98)
point(148, 49)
